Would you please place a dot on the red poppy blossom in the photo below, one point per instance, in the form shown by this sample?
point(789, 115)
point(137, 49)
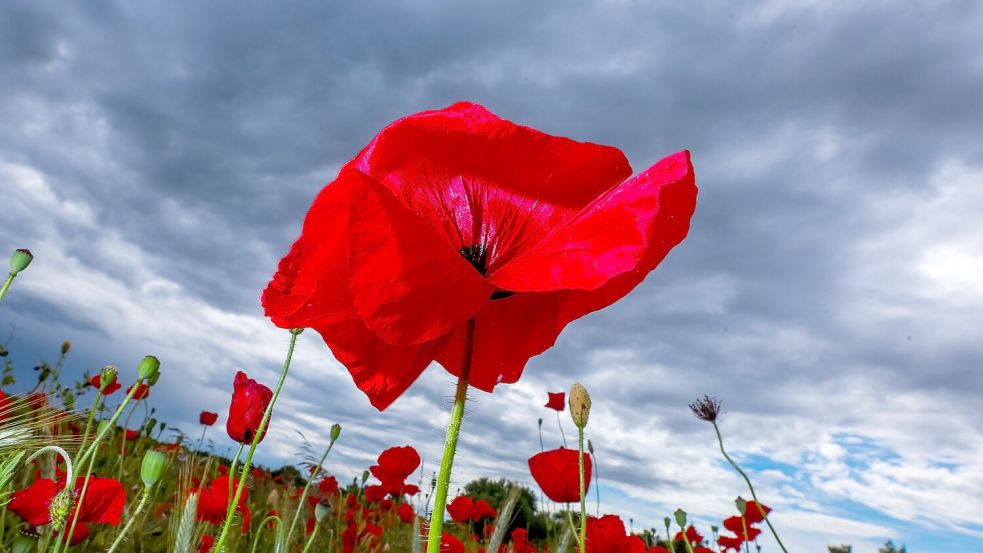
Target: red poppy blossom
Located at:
point(406, 513)
point(249, 402)
point(96, 382)
point(103, 503)
point(207, 542)
point(143, 390)
point(328, 485)
point(521, 543)
point(464, 509)
point(449, 544)
point(396, 464)
point(556, 400)
point(130, 435)
point(736, 525)
point(607, 535)
point(558, 474)
point(456, 220)
point(207, 418)
point(214, 500)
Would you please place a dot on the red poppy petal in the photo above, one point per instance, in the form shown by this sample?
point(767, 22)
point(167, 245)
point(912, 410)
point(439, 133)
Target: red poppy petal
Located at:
point(609, 237)
point(408, 284)
point(483, 179)
point(310, 286)
point(33, 504)
point(104, 501)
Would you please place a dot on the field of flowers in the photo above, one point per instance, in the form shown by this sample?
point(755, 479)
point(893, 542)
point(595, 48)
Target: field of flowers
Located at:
point(454, 236)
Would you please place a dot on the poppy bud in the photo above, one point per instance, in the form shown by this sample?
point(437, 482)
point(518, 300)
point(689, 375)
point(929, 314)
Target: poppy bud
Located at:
point(365, 476)
point(148, 368)
point(107, 377)
point(61, 505)
point(151, 423)
point(335, 432)
point(579, 405)
point(153, 379)
point(741, 505)
point(20, 260)
point(65, 346)
point(714, 528)
point(590, 447)
point(322, 509)
point(103, 426)
point(152, 467)
point(680, 517)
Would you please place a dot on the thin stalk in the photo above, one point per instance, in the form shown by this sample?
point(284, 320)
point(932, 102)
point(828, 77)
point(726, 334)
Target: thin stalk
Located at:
point(6, 285)
point(220, 544)
point(129, 523)
point(669, 540)
point(583, 488)
point(313, 536)
point(560, 426)
point(747, 548)
point(303, 496)
point(79, 500)
point(112, 422)
point(88, 423)
point(122, 442)
point(573, 527)
point(279, 528)
point(450, 446)
point(230, 509)
point(597, 485)
point(720, 440)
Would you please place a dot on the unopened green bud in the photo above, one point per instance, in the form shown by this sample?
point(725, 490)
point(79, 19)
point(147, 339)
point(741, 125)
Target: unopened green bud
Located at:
point(365, 476)
point(741, 505)
point(335, 432)
point(151, 423)
point(107, 377)
point(148, 367)
point(680, 518)
point(61, 505)
point(579, 405)
point(667, 522)
point(322, 509)
point(714, 529)
point(152, 467)
point(153, 379)
point(24, 544)
point(20, 260)
point(65, 346)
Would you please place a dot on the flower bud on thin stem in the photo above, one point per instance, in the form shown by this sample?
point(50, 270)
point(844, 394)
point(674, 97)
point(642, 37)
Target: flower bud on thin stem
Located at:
point(152, 467)
point(579, 405)
point(20, 260)
point(148, 368)
point(335, 432)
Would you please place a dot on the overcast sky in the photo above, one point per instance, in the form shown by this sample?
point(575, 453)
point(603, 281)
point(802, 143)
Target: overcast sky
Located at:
point(159, 157)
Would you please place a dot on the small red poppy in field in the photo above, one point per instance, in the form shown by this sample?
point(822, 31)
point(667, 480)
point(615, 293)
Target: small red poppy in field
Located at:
point(556, 400)
point(214, 500)
point(395, 465)
point(143, 390)
point(249, 402)
point(96, 382)
point(207, 418)
point(207, 542)
point(406, 513)
point(607, 535)
point(131, 435)
point(5, 407)
point(103, 503)
point(328, 485)
point(464, 509)
point(37, 400)
point(558, 474)
point(521, 543)
point(449, 544)
point(455, 232)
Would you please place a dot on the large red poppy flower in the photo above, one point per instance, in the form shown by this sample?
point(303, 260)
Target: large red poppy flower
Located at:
point(249, 401)
point(558, 474)
point(103, 503)
point(143, 391)
point(456, 220)
point(607, 535)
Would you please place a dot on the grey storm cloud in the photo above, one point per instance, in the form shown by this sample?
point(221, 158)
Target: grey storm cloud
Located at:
point(162, 155)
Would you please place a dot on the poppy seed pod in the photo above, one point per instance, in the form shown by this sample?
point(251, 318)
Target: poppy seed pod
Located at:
point(107, 377)
point(741, 505)
point(152, 467)
point(680, 517)
point(579, 405)
point(322, 509)
point(365, 476)
point(61, 505)
point(148, 368)
point(20, 260)
point(335, 432)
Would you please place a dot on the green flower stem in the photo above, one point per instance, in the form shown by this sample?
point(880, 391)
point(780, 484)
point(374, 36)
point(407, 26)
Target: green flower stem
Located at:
point(720, 440)
point(597, 485)
point(122, 441)
point(583, 489)
point(303, 496)
point(747, 548)
point(313, 536)
point(112, 422)
point(573, 527)
point(88, 423)
point(450, 447)
point(6, 285)
point(686, 543)
point(279, 529)
point(220, 544)
point(669, 540)
point(78, 501)
point(232, 472)
point(144, 497)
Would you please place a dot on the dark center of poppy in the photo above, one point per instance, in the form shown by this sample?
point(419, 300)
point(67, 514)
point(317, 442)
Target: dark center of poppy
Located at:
point(477, 256)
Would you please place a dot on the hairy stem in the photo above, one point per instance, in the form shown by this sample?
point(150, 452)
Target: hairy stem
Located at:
point(307, 487)
point(583, 489)
point(133, 516)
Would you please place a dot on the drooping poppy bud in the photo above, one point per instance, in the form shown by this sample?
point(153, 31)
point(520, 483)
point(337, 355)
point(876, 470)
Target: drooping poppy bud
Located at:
point(148, 367)
point(249, 402)
point(152, 467)
point(20, 260)
point(579, 405)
